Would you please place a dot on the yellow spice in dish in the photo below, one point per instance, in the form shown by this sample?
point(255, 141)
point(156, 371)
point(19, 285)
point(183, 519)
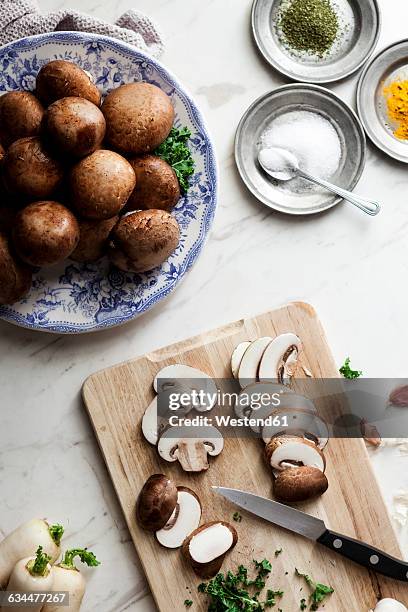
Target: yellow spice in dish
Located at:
point(397, 105)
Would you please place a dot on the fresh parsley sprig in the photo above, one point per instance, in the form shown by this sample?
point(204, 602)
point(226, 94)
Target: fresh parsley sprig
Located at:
point(231, 592)
point(347, 372)
point(175, 152)
point(318, 594)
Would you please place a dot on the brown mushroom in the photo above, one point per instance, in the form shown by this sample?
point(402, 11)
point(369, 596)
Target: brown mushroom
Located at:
point(157, 185)
point(20, 116)
point(287, 451)
point(139, 116)
point(184, 519)
point(156, 502)
point(93, 239)
point(206, 547)
point(101, 184)
point(60, 79)
point(298, 484)
point(30, 170)
point(15, 275)
point(45, 233)
point(142, 240)
point(74, 126)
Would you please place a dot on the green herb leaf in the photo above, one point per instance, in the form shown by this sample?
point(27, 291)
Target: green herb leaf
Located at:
point(347, 372)
point(188, 603)
point(237, 517)
point(303, 604)
point(38, 566)
point(175, 152)
point(56, 532)
point(230, 592)
point(319, 591)
point(278, 552)
point(86, 556)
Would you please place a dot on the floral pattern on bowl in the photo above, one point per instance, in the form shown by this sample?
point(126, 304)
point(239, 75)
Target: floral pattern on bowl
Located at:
point(74, 297)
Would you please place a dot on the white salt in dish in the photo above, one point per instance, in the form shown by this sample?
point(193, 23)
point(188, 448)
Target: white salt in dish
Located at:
point(278, 103)
point(312, 139)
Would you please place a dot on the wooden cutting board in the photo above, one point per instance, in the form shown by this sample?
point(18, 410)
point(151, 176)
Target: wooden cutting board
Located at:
point(116, 399)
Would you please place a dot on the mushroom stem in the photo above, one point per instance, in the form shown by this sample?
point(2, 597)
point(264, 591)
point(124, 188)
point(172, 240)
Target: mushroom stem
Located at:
point(193, 457)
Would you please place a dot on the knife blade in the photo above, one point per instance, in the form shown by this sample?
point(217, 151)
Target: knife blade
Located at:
point(315, 529)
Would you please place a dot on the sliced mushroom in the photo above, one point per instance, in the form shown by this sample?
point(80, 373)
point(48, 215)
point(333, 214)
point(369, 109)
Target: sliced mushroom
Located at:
point(298, 423)
point(150, 424)
point(248, 401)
point(207, 546)
point(298, 484)
point(185, 519)
point(178, 444)
point(237, 356)
point(156, 502)
point(280, 359)
point(284, 452)
point(249, 366)
point(389, 605)
point(288, 400)
point(180, 378)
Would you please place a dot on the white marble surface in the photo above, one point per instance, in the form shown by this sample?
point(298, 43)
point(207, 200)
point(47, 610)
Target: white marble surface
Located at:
point(350, 267)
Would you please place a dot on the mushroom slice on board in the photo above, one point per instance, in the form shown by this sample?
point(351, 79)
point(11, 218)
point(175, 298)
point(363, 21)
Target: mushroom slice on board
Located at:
point(237, 356)
point(389, 605)
point(180, 378)
point(150, 425)
point(156, 502)
point(185, 519)
point(207, 546)
point(287, 400)
point(251, 399)
point(248, 369)
point(298, 484)
point(298, 423)
point(280, 359)
point(190, 446)
point(284, 452)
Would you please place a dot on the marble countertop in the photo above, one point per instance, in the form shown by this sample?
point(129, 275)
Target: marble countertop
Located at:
point(350, 267)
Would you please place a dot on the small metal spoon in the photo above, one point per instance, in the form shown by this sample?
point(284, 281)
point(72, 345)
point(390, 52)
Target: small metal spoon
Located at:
point(284, 166)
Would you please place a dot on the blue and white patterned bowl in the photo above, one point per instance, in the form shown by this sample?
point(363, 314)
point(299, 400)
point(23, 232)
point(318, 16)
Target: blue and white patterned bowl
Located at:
point(73, 297)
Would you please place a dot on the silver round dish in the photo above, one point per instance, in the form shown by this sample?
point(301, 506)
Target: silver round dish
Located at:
point(354, 46)
point(389, 65)
point(305, 97)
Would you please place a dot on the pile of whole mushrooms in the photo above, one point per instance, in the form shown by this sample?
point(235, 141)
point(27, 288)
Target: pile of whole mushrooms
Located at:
point(28, 565)
point(72, 165)
point(293, 451)
point(173, 514)
point(177, 443)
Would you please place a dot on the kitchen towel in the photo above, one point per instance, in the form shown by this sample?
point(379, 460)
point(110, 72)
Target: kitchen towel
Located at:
point(19, 18)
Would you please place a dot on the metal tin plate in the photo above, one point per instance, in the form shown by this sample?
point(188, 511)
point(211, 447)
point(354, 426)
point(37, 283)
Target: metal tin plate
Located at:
point(283, 100)
point(350, 53)
point(388, 65)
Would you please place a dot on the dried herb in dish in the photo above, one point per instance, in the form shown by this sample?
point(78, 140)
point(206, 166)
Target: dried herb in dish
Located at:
point(309, 25)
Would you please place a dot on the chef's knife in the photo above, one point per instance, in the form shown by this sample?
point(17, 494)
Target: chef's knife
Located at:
point(315, 529)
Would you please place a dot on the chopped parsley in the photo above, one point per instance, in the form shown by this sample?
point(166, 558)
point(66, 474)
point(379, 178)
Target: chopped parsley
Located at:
point(231, 592)
point(188, 603)
point(237, 517)
point(175, 152)
point(347, 372)
point(278, 552)
point(319, 591)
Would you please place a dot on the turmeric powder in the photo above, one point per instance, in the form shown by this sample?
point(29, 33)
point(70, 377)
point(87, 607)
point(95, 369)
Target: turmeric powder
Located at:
point(397, 106)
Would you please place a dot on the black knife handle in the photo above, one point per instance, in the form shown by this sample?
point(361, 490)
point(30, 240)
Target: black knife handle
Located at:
point(365, 555)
